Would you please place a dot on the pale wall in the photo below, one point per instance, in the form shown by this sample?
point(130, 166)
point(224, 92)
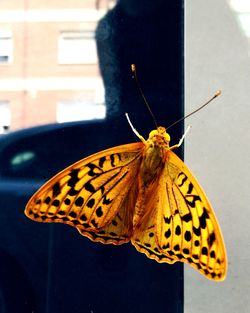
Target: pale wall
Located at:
point(217, 149)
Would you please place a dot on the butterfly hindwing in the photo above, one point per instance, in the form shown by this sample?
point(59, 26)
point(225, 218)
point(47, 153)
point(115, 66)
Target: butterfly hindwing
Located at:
point(92, 194)
point(120, 229)
point(195, 231)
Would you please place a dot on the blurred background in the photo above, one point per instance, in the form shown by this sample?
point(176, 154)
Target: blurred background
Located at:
point(48, 62)
point(49, 72)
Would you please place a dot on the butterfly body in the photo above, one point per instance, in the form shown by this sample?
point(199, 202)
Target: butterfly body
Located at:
point(140, 192)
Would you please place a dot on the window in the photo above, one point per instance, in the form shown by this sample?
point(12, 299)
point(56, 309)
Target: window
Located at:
point(6, 47)
point(5, 116)
point(79, 110)
point(77, 47)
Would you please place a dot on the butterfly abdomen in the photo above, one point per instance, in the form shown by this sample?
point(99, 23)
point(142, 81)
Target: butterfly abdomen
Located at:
point(151, 169)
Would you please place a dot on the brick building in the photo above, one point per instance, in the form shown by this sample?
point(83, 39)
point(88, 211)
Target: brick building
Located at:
point(48, 62)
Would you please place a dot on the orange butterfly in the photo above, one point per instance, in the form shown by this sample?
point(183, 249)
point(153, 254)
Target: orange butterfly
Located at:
point(139, 192)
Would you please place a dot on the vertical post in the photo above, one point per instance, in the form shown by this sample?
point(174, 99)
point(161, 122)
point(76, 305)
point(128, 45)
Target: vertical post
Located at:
point(109, 278)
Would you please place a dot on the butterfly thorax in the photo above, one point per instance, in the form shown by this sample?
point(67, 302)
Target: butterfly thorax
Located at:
point(154, 155)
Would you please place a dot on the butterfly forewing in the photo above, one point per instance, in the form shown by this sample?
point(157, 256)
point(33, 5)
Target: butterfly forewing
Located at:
point(92, 195)
point(190, 231)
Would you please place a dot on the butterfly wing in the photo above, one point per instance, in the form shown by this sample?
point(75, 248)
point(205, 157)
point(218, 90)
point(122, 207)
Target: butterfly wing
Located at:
point(93, 195)
point(183, 226)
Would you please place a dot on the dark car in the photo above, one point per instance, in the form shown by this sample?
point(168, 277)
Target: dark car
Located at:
point(50, 267)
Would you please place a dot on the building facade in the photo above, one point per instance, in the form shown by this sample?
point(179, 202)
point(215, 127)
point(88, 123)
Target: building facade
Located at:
point(48, 62)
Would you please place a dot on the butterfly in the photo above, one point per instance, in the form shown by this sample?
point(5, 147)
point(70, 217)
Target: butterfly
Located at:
point(139, 192)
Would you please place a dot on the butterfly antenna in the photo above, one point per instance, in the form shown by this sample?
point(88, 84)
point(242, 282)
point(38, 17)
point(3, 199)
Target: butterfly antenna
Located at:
point(133, 69)
point(218, 93)
point(134, 130)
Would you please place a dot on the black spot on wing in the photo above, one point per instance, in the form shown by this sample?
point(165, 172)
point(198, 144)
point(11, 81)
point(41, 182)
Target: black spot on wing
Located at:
point(177, 230)
point(73, 178)
point(102, 189)
point(211, 239)
point(206, 271)
point(91, 203)
point(93, 169)
point(183, 179)
point(89, 187)
point(190, 188)
point(212, 254)
point(197, 231)
point(167, 233)
point(72, 214)
point(167, 246)
point(106, 200)
point(101, 161)
point(186, 251)
point(56, 189)
point(112, 160)
point(61, 213)
point(213, 275)
point(67, 201)
point(83, 218)
point(176, 248)
point(188, 235)
point(99, 212)
point(203, 218)
point(93, 222)
point(187, 217)
point(47, 200)
point(79, 201)
point(73, 192)
point(191, 199)
point(197, 243)
point(204, 251)
point(86, 225)
point(167, 220)
point(56, 203)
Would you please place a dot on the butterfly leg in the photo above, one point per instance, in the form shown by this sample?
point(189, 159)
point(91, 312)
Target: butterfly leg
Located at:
point(181, 140)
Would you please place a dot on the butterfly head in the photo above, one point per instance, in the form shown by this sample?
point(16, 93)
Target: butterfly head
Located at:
point(159, 136)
